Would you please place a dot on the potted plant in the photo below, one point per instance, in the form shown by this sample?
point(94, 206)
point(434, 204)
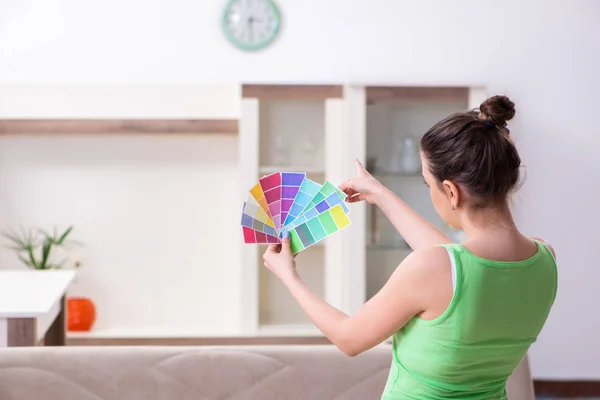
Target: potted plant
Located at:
point(35, 250)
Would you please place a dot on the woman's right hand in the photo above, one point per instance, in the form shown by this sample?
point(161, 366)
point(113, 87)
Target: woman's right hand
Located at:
point(362, 187)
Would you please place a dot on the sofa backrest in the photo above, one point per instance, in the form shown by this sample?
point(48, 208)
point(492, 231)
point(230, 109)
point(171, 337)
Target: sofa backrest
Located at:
point(198, 373)
point(204, 373)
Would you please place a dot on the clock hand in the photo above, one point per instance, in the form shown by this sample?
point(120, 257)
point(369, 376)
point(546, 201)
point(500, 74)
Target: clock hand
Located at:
point(251, 28)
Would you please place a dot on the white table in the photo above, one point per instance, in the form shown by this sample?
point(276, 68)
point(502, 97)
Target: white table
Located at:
point(32, 307)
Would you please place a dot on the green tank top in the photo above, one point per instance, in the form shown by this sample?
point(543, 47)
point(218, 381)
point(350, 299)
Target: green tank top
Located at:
point(497, 311)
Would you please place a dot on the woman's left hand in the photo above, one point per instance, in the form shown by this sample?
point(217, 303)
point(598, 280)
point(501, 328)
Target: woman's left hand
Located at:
point(280, 260)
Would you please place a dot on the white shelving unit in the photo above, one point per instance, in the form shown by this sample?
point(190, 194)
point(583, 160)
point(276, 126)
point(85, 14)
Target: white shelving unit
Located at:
point(295, 129)
point(359, 122)
point(319, 130)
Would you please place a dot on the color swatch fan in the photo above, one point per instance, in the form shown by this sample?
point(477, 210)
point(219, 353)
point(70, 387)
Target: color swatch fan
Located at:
point(289, 202)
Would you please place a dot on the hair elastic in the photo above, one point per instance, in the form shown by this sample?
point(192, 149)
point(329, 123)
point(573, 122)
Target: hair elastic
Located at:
point(489, 124)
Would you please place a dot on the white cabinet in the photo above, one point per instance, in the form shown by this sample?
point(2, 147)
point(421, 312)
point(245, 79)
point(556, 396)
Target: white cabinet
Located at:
point(396, 119)
point(293, 129)
point(320, 130)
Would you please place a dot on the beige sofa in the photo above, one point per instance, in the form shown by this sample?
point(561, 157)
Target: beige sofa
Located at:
point(202, 373)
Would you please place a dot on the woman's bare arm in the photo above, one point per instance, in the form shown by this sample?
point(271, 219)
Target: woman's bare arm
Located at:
point(416, 230)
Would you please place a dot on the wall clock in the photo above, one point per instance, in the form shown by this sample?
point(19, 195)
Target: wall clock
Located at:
point(251, 25)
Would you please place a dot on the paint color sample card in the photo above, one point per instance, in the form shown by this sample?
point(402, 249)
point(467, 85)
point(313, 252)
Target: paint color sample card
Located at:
point(318, 228)
point(289, 202)
point(307, 191)
point(331, 201)
point(290, 187)
point(252, 236)
point(271, 187)
point(254, 217)
point(325, 191)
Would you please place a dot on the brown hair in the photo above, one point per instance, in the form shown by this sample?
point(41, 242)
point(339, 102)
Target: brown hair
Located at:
point(473, 149)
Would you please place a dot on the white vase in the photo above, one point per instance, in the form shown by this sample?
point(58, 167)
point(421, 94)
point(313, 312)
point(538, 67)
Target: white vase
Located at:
point(411, 161)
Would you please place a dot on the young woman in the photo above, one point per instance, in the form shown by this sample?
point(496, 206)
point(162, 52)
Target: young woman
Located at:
point(462, 316)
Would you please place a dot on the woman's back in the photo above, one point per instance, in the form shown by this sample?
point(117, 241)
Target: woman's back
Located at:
point(496, 312)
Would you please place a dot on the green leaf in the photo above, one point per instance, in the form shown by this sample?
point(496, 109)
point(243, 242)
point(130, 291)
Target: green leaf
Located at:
point(27, 236)
point(26, 262)
point(15, 248)
point(32, 258)
point(17, 241)
point(46, 234)
point(29, 240)
point(64, 235)
point(46, 251)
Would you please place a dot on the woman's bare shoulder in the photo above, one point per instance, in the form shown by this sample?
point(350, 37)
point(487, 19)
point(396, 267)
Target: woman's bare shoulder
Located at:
point(429, 260)
point(546, 243)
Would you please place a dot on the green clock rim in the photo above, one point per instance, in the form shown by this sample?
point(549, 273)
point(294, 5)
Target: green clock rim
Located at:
point(256, 46)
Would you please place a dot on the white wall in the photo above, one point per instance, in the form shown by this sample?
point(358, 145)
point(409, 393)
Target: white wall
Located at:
point(545, 54)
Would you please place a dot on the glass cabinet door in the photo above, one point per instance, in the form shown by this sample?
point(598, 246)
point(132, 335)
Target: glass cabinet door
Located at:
point(396, 119)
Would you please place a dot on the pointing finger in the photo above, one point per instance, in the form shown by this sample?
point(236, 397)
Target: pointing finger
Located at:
point(361, 170)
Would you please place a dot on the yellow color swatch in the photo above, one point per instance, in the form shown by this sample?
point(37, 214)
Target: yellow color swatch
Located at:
point(339, 216)
point(257, 192)
point(259, 196)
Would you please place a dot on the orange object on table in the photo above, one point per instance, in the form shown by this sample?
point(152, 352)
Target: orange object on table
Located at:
point(81, 314)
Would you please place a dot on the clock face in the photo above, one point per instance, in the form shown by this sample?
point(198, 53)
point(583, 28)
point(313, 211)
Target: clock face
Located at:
point(251, 24)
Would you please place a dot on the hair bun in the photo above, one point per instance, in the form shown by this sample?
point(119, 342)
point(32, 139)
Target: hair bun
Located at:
point(498, 110)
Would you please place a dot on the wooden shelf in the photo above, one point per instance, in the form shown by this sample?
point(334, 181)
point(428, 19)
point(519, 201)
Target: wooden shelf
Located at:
point(416, 93)
point(292, 92)
point(121, 126)
point(269, 169)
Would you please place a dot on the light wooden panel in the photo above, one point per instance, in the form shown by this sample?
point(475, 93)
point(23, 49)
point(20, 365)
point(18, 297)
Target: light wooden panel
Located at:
point(567, 389)
point(21, 332)
point(292, 92)
point(117, 126)
point(56, 333)
point(416, 93)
